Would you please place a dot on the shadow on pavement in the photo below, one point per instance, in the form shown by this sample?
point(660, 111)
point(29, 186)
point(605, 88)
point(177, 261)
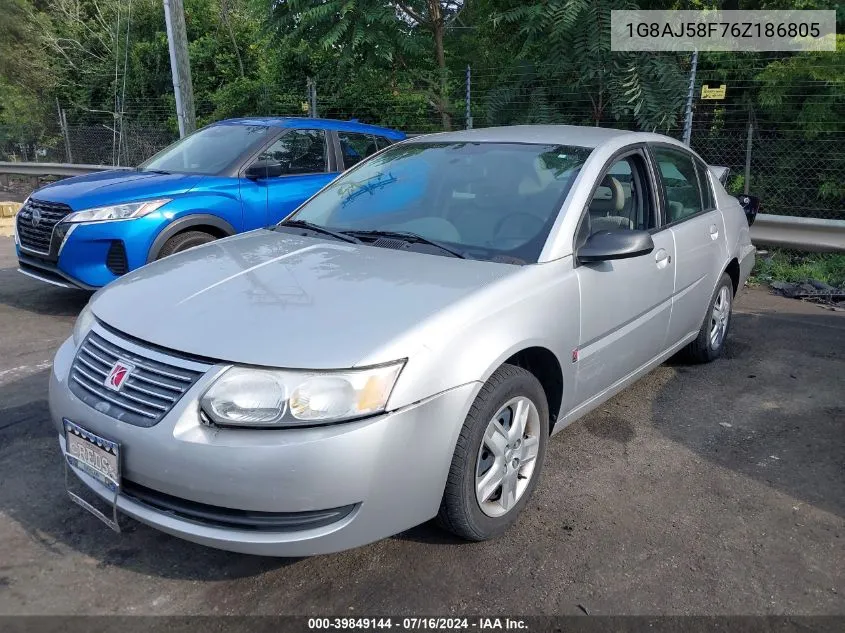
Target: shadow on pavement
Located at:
point(33, 496)
point(432, 534)
point(23, 293)
point(774, 405)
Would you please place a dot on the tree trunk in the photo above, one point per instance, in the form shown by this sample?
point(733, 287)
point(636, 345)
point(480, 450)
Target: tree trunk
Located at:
point(224, 13)
point(438, 27)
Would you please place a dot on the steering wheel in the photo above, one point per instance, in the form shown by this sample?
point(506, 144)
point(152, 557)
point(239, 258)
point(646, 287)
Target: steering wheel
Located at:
point(521, 235)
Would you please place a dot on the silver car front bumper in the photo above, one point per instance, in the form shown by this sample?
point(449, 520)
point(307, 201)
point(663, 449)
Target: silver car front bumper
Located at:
point(391, 469)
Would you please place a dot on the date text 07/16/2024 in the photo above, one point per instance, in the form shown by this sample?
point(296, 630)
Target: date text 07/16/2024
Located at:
point(417, 623)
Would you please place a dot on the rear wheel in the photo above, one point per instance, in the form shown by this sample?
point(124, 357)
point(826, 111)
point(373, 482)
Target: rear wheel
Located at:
point(710, 342)
point(184, 241)
point(498, 456)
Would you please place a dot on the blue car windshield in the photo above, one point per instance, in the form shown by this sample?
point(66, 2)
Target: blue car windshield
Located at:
point(486, 200)
point(207, 151)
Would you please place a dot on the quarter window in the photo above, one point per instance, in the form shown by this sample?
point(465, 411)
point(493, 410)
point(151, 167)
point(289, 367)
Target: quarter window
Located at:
point(680, 182)
point(383, 142)
point(299, 152)
point(356, 147)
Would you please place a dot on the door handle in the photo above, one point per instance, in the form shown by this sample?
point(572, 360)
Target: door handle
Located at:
point(662, 258)
point(714, 232)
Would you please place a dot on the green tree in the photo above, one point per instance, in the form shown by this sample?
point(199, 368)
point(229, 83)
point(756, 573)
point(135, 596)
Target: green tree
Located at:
point(25, 77)
point(378, 34)
point(565, 69)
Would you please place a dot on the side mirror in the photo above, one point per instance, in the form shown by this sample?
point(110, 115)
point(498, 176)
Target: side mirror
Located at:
point(622, 244)
point(262, 169)
point(751, 206)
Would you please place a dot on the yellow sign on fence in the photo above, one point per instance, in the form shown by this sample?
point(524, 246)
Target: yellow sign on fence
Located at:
point(713, 93)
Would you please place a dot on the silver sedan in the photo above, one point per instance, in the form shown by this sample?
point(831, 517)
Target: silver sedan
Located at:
point(401, 347)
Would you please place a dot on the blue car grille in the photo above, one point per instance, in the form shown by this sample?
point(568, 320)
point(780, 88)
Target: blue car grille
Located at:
point(35, 223)
point(149, 392)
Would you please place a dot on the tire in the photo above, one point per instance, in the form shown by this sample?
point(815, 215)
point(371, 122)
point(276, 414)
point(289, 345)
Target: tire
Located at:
point(703, 349)
point(462, 512)
point(184, 241)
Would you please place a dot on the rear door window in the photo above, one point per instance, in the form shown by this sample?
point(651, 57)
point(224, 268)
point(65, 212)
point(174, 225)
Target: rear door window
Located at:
point(356, 147)
point(299, 152)
point(680, 183)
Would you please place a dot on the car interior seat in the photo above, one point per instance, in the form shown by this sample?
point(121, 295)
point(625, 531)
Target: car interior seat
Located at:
point(607, 207)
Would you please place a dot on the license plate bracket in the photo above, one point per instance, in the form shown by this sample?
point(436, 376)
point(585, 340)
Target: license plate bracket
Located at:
point(98, 458)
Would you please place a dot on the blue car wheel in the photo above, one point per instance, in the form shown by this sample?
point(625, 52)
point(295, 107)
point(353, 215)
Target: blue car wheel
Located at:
point(184, 241)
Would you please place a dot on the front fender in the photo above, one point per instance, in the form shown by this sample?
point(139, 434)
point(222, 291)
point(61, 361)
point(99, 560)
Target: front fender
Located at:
point(183, 223)
point(536, 307)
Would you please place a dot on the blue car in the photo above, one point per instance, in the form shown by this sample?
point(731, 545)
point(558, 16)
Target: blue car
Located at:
point(231, 176)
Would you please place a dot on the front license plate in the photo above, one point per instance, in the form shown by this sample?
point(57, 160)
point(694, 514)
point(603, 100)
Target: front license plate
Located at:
point(93, 455)
point(98, 457)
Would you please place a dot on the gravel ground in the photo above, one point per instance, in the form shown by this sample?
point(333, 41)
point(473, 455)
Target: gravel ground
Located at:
point(715, 489)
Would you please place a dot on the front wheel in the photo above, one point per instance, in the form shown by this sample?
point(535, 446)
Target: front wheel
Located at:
point(183, 241)
point(710, 342)
point(498, 456)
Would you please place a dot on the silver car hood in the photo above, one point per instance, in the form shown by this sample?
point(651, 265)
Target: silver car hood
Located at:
point(275, 299)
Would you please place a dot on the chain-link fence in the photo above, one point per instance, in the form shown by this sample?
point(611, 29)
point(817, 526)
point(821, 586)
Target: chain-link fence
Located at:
point(793, 158)
point(791, 176)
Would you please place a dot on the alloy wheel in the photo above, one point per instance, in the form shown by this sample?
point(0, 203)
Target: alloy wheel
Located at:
point(507, 456)
point(720, 317)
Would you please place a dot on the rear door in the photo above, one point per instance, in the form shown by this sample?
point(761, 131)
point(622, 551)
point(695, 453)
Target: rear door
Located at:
point(307, 165)
point(625, 303)
point(699, 232)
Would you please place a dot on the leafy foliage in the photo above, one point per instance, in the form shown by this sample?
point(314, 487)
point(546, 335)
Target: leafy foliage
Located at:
point(402, 63)
point(824, 102)
point(568, 45)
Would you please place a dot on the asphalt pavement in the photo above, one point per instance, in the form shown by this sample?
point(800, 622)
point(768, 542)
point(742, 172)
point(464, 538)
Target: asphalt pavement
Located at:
point(716, 489)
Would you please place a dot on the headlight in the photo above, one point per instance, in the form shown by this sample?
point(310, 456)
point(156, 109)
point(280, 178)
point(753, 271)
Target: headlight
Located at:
point(244, 396)
point(83, 324)
point(117, 211)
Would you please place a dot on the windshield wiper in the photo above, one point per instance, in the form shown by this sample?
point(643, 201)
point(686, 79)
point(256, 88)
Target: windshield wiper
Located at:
point(408, 236)
point(153, 171)
point(305, 224)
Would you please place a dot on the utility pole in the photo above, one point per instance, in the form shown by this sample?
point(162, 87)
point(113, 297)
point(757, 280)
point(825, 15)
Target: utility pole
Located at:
point(688, 118)
point(65, 135)
point(180, 65)
point(748, 156)
point(311, 85)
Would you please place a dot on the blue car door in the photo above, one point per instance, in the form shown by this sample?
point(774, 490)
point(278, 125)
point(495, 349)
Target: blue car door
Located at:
point(301, 164)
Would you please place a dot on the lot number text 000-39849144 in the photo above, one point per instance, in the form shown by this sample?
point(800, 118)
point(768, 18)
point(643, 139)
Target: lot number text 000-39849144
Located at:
point(418, 624)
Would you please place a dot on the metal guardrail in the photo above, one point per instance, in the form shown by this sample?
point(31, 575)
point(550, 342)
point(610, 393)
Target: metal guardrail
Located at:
point(806, 234)
point(51, 169)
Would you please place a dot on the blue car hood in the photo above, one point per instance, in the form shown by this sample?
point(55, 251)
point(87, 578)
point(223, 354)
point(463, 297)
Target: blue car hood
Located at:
point(115, 186)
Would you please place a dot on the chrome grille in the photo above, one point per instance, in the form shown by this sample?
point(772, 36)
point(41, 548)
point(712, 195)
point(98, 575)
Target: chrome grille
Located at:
point(35, 223)
point(146, 395)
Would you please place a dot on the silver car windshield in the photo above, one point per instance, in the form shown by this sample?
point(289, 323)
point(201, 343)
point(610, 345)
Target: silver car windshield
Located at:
point(207, 151)
point(487, 200)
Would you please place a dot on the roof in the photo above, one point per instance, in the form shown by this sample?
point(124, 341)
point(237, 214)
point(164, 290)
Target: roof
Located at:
point(319, 124)
point(573, 135)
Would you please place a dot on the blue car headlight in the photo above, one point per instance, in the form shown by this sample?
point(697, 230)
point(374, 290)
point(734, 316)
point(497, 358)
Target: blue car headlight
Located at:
point(127, 211)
